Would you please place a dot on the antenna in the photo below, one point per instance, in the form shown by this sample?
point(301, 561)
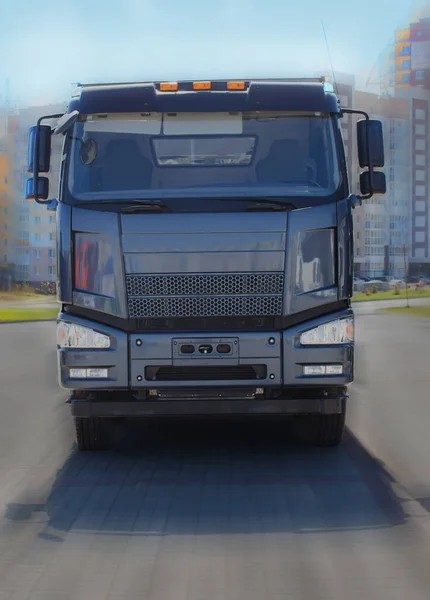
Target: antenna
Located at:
point(330, 59)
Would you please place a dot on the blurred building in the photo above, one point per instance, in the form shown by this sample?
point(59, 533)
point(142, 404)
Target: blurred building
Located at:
point(412, 56)
point(6, 249)
point(34, 227)
point(381, 227)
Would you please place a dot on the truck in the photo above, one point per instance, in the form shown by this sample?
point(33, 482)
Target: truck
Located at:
point(205, 250)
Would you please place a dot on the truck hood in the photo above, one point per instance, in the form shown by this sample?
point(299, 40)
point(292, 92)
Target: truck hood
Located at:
point(213, 264)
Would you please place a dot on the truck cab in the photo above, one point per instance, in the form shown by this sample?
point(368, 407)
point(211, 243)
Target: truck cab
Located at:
point(205, 260)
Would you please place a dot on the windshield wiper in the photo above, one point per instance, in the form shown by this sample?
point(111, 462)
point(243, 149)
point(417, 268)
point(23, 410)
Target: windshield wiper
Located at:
point(131, 205)
point(257, 203)
point(267, 204)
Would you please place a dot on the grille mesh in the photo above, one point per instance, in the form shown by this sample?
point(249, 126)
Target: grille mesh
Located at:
point(158, 296)
point(205, 307)
point(204, 285)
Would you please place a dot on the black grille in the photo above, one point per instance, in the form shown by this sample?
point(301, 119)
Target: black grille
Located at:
point(204, 285)
point(204, 306)
point(235, 373)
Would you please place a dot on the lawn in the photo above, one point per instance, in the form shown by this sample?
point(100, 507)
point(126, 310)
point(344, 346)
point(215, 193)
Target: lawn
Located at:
point(25, 296)
point(390, 295)
point(27, 314)
point(417, 311)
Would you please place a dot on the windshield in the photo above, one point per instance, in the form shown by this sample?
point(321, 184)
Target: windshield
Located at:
point(250, 154)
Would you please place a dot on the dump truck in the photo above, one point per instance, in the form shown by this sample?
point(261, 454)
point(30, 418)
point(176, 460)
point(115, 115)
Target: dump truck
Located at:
point(205, 250)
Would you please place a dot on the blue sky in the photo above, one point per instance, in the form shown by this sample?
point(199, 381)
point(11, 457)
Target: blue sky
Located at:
point(47, 45)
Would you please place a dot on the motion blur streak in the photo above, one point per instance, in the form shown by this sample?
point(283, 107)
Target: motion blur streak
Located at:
point(219, 510)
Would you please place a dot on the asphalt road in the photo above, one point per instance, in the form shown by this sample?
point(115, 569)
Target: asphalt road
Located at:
point(222, 510)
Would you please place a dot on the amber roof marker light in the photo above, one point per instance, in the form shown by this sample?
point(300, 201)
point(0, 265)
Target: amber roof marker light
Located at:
point(170, 86)
point(236, 85)
point(202, 85)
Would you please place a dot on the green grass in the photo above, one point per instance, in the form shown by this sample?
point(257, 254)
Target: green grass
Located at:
point(390, 295)
point(24, 296)
point(27, 314)
point(417, 311)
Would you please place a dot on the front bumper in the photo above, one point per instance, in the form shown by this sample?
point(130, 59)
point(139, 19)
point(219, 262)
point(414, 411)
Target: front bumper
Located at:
point(142, 361)
point(328, 402)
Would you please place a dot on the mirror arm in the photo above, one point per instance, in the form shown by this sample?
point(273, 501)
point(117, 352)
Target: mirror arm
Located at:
point(351, 111)
point(356, 200)
point(36, 155)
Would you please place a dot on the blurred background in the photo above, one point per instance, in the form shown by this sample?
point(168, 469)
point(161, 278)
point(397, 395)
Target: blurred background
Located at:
point(378, 57)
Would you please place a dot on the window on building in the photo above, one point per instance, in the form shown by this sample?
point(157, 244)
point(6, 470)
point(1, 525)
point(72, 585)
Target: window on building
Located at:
point(36, 270)
point(358, 235)
point(37, 220)
point(406, 77)
point(420, 160)
point(420, 206)
point(406, 64)
point(51, 219)
point(420, 190)
point(51, 270)
point(420, 221)
point(420, 236)
point(419, 253)
point(51, 237)
point(37, 237)
point(5, 212)
point(420, 175)
point(5, 258)
point(36, 253)
point(5, 242)
point(419, 75)
point(420, 129)
point(51, 253)
point(357, 251)
point(420, 114)
point(406, 51)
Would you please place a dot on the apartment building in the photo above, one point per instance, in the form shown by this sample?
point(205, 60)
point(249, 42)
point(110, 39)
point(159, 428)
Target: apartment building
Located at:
point(381, 232)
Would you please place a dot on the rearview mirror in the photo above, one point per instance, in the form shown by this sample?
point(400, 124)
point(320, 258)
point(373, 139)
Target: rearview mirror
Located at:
point(42, 188)
point(379, 184)
point(370, 132)
point(44, 149)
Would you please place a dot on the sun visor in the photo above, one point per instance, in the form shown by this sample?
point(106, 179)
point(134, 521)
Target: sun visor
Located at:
point(145, 123)
point(202, 123)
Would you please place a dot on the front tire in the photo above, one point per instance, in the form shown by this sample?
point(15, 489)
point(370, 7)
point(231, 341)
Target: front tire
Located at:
point(328, 430)
point(89, 433)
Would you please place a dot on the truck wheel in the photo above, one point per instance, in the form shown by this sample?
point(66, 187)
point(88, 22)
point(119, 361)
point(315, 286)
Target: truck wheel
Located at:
point(326, 430)
point(89, 433)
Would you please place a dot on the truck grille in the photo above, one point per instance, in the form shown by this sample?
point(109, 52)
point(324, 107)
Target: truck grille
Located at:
point(204, 295)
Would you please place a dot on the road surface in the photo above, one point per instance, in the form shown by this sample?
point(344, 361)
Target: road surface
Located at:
point(222, 510)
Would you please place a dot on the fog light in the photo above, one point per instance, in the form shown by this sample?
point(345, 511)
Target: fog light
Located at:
point(259, 391)
point(323, 370)
point(94, 373)
point(314, 370)
point(78, 373)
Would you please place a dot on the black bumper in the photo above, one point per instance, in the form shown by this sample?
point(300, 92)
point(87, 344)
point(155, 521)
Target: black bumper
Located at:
point(333, 404)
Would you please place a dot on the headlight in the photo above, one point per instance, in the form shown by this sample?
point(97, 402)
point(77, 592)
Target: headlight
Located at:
point(340, 331)
point(77, 336)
